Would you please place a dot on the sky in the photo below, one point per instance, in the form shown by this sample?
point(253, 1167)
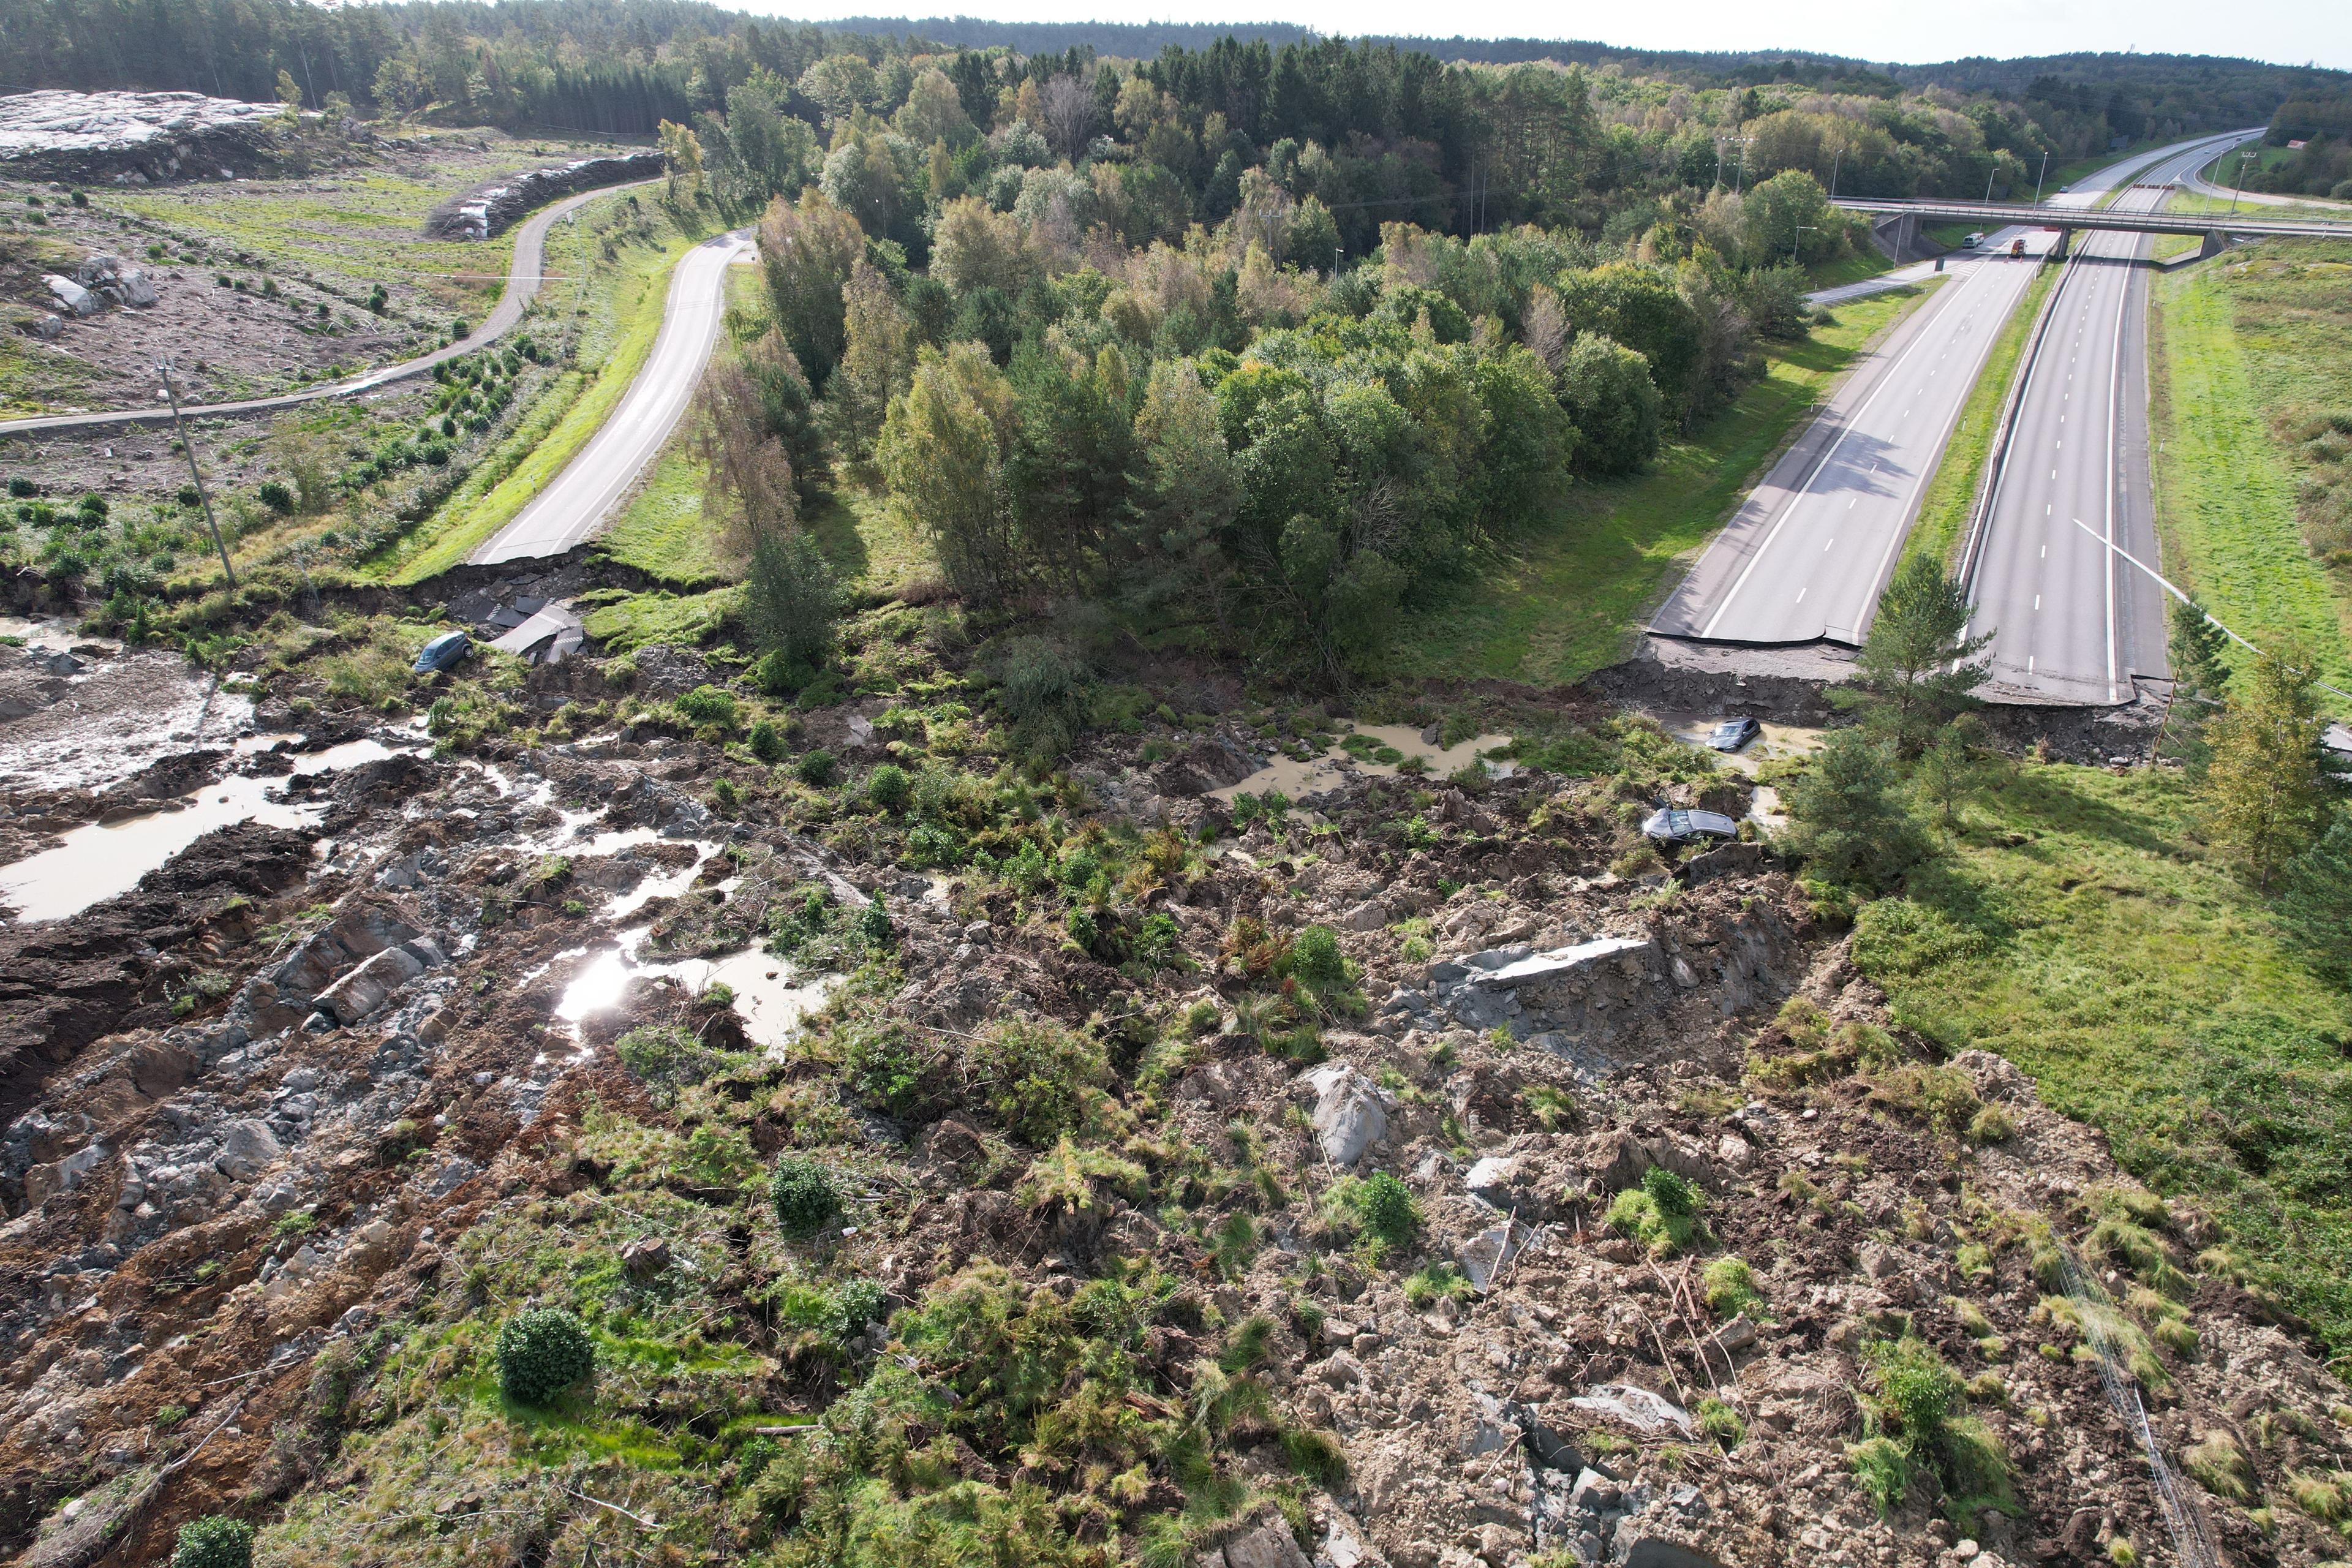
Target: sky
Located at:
point(1902, 31)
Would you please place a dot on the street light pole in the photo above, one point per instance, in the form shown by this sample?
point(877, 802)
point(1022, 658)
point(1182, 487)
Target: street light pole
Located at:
point(1335, 262)
point(2245, 158)
point(2039, 177)
point(1798, 238)
point(194, 472)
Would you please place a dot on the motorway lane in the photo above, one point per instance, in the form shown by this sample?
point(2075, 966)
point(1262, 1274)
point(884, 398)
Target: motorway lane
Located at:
point(1806, 557)
point(576, 503)
point(2072, 621)
point(525, 272)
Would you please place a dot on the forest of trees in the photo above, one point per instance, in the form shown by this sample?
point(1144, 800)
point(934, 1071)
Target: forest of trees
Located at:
point(1404, 134)
point(1099, 345)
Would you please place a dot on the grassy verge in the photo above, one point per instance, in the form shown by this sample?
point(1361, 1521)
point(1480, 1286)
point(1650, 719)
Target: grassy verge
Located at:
point(663, 531)
point(1865, 261)
point(1562, 604)
point(2198, 204)
point(626, 297)
point(2074, 929)
point(2251, 364)
point(1944, 513)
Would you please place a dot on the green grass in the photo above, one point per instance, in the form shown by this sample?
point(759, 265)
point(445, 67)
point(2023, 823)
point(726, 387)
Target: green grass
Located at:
point(2196, 204)
point(681, 620)
point(1944, 513)
point(2076, 929)
point(1865, 261)
point(1562, 604)
point(623, 304)
point(2245, 352)
point(663, 531)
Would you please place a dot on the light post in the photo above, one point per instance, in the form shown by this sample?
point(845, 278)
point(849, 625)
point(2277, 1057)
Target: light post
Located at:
point(2038, 179)
point(1335, 263)
point(2245, 158)
point(1834, 171)
point(1739, 181)
point(195, 473)
point(1798, 238)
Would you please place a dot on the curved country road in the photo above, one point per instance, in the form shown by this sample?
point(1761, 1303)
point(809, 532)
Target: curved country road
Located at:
point(575, 502)
point(523, 278)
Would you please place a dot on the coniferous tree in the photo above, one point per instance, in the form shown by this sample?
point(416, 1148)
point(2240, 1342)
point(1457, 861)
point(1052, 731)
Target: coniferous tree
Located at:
point(1916, 670)
point(2264, 792)
point(2315, 900)
point(2194, 646)
point(1847, 819)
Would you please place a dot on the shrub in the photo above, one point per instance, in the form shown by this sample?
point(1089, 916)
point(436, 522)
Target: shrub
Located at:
point(889, 788)
point(1316, 959)
point(277, 497)
point(541, 1352)
point(1046, 692)
point(1676, 1196)
point(707, 705)
point(1882, 1471)
point(792, 600)
point(1387, 1208)
point(767, 742)
point(806, 1199)
point(216, 1541)
point(1914, 1387)
point(815, 768)
point(1033, 1073)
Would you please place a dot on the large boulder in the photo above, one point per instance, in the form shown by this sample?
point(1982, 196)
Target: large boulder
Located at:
point(72, 296)
point(1350, 1112)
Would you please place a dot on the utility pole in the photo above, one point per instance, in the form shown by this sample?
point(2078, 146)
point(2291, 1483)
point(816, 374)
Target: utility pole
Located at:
point(1798, 238)
point(194, 472)
point(2245, 158)
point(2038, 178)
point(1740, 180)
point(1834, 171)
point(1991, 174)
point(1335, 263)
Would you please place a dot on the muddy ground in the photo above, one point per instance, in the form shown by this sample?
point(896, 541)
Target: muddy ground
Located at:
point(293, 1101)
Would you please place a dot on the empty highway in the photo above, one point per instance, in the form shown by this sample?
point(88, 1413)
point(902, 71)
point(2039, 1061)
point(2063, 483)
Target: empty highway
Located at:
point(2072, 621)
point(1806, 556)
point(576, 503)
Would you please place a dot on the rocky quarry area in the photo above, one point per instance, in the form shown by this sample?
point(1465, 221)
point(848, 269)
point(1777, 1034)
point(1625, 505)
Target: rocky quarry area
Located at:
point(133, 138)
point(1378, 1178)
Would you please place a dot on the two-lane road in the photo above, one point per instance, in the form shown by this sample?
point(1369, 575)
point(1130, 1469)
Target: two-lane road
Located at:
point(1806, 557)
point(2072, 621)
point(575, 505)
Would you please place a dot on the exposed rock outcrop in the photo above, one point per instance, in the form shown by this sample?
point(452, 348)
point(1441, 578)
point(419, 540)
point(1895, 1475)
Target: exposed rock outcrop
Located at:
point(133, 138)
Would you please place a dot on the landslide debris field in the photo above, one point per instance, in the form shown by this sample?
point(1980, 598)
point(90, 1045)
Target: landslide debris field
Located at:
point(951, 1162)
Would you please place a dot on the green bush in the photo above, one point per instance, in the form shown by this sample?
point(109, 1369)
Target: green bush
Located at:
point(889, 788)
point(1033, 1073)
point(767, 742)
point(541, 1352)
point(1316, 958)
point(806, 1199)
point(1676, 1196)
point(277, 497)
point(815, 768)
point(707, 705)
point(1387, 1207)
point(216, 1541)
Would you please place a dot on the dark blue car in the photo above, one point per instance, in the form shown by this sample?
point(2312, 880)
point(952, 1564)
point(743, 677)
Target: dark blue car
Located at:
point(444, 652)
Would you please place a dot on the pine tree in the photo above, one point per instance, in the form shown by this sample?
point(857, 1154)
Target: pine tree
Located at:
point(2194, 643)
point(1848, 821)
point(2315, 900)
point(2263, 790)
point(1915, 673)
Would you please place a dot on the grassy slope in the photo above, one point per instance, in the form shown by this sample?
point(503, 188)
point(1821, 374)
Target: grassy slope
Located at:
point(2240, 350)
point(623, 310)
point(1559, 606)
point(1944, 513)
point(1865, 261)
point(2079, 934)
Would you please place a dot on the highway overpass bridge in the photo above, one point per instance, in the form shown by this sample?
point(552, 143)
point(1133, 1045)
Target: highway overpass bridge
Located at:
point(1894, 224)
